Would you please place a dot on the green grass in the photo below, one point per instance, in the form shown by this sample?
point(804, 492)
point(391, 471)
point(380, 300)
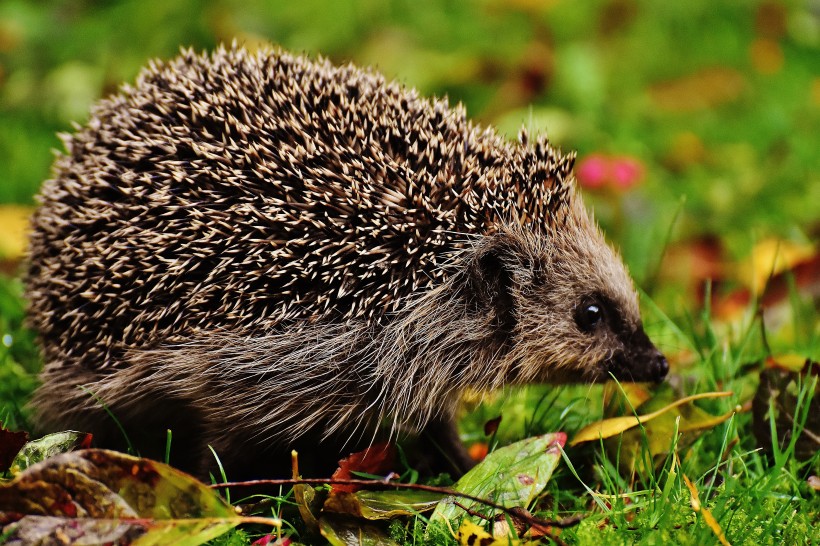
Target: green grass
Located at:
point(18, 356)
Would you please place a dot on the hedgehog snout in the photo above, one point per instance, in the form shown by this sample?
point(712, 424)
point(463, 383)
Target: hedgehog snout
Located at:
point(639, 361)
point(659, 367)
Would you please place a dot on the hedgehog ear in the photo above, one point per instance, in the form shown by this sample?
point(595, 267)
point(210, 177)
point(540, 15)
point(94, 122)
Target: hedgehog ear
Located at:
point(492, 282)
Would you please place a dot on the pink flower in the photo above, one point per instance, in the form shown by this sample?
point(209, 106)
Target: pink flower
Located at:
point(620, 172)
point(626, 172)
point(593, 171)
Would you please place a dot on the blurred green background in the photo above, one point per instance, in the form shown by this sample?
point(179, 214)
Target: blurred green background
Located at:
point(714, 104)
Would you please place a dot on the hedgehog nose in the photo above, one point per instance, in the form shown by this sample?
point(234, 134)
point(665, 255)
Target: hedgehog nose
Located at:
point(659, 368)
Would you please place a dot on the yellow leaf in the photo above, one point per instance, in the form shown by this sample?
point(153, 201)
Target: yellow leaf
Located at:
point(690, 425)
point(616, 425)
point(13, 230)
point(469, 533)
point(770, 257)
point(789, 362)
point(707, 515)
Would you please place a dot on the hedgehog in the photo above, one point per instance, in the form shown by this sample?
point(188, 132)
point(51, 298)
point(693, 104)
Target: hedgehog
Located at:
point(262, 251)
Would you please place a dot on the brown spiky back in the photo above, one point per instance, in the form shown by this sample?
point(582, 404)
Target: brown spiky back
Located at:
point(242, 192)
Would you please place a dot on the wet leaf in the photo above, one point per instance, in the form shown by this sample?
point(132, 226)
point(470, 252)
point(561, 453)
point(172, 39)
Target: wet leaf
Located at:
point(140, 532)
point(511, 476)
point(349, 532)
point(45, 529)
point(306, 500)
point(376, 505)
point(49, 445)
point(98, 496)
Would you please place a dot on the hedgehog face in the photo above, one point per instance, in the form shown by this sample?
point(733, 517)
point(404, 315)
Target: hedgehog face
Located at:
point(618, 341)
point(569, 309)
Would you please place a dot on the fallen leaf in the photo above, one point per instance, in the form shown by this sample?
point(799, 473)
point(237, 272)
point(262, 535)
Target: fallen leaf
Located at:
point(49, 445)
point(379, 459)
point(615, 425)
point(694, 263)
point(14, 227)
point(307, 501)
point(376, 505)
point(657, 435)
point(624, 397)
point(471, 534)
point(770, 257)
point(60, 530)
point(94, 496)
point(766, 55)
point(511, 476)
point(687, 149)
point(340, 531)
point(805, 274)
point(789, 363)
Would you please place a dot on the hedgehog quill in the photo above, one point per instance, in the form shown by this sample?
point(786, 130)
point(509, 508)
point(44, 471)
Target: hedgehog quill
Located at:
point(264, 251)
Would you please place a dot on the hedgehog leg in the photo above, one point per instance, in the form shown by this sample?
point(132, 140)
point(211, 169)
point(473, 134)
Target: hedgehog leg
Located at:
point(452, 456)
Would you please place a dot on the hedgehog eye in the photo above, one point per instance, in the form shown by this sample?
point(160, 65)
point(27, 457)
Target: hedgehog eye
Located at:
point(589, 316)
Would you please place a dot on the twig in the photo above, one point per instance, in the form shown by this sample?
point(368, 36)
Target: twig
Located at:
point(529, 519)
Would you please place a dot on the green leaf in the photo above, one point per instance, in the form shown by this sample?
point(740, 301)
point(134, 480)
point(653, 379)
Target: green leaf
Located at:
point(511, 476)
point(375, 505)
point(49, 445)
point(349, 532)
